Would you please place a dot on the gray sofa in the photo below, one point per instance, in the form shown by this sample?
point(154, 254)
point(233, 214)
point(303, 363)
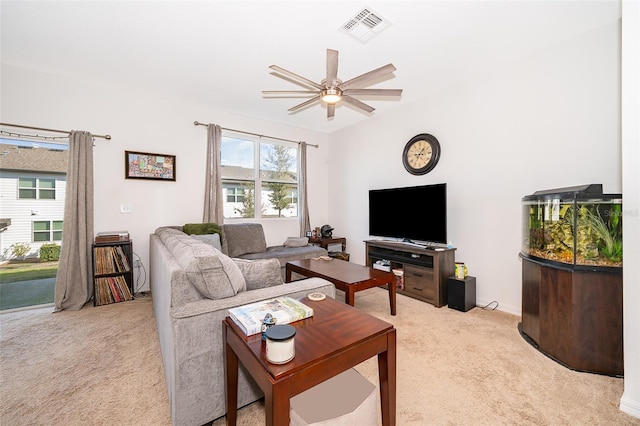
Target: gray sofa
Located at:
point(193, 285)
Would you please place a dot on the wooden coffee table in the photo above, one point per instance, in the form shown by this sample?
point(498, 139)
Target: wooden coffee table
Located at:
point(336, 338)
point(346, 276)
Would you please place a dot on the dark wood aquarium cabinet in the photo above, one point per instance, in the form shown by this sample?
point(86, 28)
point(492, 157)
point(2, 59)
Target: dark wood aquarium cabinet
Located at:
point(572, 278)
point(575, 317)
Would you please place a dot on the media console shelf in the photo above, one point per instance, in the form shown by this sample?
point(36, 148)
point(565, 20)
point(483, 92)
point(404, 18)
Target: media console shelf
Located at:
point(425, 270)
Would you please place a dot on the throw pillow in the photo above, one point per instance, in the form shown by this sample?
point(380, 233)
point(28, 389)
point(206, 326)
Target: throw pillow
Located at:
point(213, 239)
point(296, 242)
point(260, 273)
point(214, 274)
point(243, 238)
point(201, 228)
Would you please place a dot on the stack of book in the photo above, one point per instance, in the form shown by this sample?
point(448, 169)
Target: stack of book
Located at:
point(284, 309)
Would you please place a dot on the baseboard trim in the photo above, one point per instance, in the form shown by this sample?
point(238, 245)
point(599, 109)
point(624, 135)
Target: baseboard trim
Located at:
point(630, 407)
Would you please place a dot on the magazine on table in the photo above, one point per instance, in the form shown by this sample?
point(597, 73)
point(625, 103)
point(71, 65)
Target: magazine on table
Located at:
point(284, 309)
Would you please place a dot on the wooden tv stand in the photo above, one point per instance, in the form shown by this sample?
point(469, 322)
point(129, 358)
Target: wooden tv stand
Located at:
point(425, 270)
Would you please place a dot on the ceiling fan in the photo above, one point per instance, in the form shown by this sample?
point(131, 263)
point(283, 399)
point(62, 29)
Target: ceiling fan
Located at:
point(332, 90)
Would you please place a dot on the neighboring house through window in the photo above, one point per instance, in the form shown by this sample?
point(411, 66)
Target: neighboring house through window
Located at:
point(32, 193)
point(272, 167)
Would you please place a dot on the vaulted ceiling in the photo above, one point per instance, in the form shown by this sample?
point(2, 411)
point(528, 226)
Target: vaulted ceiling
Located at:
point(218, 52)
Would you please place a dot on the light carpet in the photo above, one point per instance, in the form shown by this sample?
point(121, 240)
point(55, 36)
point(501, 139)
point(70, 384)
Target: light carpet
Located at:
point(103, 365)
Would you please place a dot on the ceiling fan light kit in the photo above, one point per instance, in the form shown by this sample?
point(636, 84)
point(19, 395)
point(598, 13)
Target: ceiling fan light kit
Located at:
point(331, 90)
point(331, 96)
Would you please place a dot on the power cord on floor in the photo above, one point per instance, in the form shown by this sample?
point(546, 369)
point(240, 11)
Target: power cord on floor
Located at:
point(138, 265)
point(486, 307)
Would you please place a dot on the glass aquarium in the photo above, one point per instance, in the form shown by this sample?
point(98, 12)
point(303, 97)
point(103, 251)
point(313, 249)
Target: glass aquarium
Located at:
point(578, 226)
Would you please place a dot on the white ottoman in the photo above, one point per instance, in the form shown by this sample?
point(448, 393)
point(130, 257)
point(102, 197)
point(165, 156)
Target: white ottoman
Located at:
point(344, 400)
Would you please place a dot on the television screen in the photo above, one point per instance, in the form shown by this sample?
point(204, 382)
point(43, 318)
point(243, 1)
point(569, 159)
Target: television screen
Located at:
point(417, 213)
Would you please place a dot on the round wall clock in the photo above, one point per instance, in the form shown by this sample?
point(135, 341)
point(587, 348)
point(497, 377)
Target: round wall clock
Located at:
point(421, 154)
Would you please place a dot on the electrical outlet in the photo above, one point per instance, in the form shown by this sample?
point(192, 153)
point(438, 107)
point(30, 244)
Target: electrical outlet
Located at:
point(137, 263)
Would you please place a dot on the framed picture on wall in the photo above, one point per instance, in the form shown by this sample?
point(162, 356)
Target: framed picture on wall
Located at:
point(144, 165)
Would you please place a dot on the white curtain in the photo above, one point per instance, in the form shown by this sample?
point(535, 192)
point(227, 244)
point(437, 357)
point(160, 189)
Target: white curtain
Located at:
point(303, 206)
point(213, 202)
point(74, 284)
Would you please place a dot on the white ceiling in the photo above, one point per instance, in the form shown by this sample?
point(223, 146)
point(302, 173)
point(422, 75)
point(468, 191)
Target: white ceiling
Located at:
point(218, 52)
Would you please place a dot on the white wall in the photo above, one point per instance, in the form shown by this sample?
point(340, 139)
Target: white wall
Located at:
point(630, 401)
point(139, 121)
point(550, 121)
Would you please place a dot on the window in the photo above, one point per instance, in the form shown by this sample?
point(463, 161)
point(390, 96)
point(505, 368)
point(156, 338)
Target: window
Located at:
point(33, 173)
point(27, 188)
point(47, 231)
point(36, 188)
point(249, 163)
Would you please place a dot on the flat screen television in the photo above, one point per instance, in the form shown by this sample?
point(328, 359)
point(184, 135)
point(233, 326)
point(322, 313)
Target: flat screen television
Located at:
point(415, 214)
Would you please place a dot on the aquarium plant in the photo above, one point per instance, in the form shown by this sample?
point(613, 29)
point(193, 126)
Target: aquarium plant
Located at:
point(608, 233)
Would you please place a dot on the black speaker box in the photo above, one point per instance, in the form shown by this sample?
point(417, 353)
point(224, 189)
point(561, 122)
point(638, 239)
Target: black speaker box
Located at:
point(461, 293)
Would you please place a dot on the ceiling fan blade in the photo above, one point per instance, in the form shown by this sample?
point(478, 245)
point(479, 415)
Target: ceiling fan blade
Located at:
point(289, 92)
point(389, 68)
point(296, 76)
point(331, 110)
point(304, 104)
point(357, 103)
point(332, 68)
point(375, 92)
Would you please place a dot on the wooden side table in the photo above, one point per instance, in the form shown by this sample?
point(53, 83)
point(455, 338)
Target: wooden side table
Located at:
point(322, 351)
point(326, 242)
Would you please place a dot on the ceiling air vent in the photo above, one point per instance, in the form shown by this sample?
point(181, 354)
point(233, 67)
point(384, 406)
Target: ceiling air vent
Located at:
point(365, 25)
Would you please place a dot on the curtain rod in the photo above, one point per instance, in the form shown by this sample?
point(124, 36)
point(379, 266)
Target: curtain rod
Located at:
point(50, 130)
point(255, 134)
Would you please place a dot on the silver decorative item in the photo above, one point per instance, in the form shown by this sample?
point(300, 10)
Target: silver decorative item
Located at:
point(268, 321)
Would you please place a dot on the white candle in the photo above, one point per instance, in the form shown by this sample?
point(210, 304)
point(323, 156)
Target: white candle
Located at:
point(280, 344)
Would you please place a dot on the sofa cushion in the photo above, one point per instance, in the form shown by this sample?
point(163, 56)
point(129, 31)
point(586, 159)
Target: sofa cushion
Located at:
point(260, 273)
point(213, 273)
point(296, 242)
point(212, 239)
point(244, 238)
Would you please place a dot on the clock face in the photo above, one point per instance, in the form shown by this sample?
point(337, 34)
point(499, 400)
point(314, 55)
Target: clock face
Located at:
point(421, 154)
